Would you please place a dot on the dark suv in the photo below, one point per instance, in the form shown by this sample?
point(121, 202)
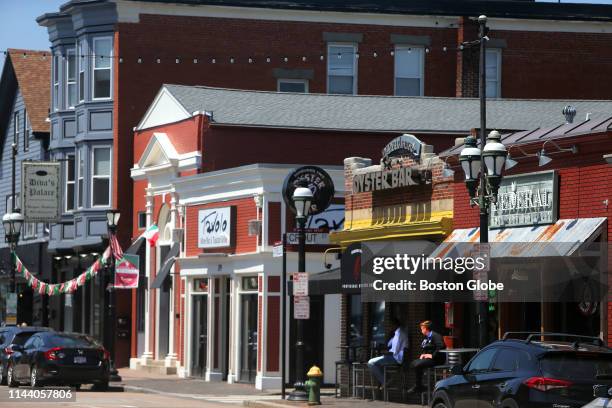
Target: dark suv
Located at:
point(10, 336)
point(535, 372)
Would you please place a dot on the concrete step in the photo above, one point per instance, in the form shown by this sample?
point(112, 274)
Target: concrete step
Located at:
point(158, 369)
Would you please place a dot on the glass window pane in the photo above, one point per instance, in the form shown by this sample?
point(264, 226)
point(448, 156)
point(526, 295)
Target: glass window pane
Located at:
point(101, 194)
point(341, 60)
point(408, 63)
point(102, 83)
point(80, 199)
point(482, 361)
point(81, 86)
point(72, 94)
point(101, 162)
point(291, 87)
point(506, 360)
point(408, 86)
point(70, 197)
point(492, 89)
point(70, 172)
point(102, 51)
point(71, 66)
point(341, 84)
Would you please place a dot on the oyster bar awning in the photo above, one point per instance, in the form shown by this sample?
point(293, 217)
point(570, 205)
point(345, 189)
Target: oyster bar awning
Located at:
point(570, 235)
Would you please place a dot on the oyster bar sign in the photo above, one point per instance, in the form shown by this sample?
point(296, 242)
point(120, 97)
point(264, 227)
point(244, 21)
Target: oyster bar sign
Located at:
point(527, 199)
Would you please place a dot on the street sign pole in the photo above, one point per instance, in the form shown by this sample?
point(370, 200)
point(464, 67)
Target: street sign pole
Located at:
point(284, 318)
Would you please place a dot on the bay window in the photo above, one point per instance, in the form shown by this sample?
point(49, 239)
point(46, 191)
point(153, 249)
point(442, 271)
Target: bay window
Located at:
point(70, 181)
point(81, 178)
point(102, 67)
point(341, 69)
point(81, 63)
point(100, 177)
point(56, 82)
point(71, 85)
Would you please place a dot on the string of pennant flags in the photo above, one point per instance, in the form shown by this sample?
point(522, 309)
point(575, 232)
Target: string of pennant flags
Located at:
point(70, 286)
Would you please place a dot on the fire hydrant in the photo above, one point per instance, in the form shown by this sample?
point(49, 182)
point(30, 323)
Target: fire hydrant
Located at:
point(313, 385)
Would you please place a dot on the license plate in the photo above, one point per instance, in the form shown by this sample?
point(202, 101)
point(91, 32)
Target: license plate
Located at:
point(80, 360)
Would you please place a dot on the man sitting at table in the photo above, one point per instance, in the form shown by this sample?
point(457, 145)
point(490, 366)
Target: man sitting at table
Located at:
point(394, 356)
point(430, 355)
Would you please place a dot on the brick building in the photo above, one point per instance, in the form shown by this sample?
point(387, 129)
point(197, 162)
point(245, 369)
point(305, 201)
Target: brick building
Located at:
point(107, 66)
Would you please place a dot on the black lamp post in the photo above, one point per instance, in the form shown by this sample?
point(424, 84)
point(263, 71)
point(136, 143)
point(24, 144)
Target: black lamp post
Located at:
point(483, 170)
point(302, 198)
point(112, 219)
point(12, 223)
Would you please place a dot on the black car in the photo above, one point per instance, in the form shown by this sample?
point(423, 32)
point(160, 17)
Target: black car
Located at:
point(53, 358)
point(13, 335)
point(512, 373)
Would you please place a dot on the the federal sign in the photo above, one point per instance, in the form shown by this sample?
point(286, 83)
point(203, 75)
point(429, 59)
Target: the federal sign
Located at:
point(402, 146)
point(41, 197)
point(526, 199)
point(215, 227)
point(314, 178)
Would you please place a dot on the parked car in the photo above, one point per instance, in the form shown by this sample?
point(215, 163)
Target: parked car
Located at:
point(512, 373)
point(10, 336)
point(54, 358)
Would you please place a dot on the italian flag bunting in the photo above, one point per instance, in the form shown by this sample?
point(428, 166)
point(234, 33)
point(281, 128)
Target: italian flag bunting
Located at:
point(152, 234)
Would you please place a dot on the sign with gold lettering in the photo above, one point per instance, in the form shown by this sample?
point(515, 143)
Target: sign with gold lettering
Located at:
point(40, 191)
point(387, 179)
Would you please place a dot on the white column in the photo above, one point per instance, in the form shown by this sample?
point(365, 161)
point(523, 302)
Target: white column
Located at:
point(147, 355)
point(170, 360)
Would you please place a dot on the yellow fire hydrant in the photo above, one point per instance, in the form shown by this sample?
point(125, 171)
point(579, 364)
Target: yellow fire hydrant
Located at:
point(313, 385)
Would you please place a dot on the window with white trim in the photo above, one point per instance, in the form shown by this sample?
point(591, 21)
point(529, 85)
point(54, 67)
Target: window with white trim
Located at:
point(29, 230)
point(71, 84)
point(341, 69)
point(293, 85)
point(26, 131)
point(56, 82)
point(102, 67)
point(100, 176)
point(9, 202)
point(80, 178)
point(493, 70)
point(409, 62)
point(81, 63)
point(142, 220)
point(70, 182)
point(16, 124)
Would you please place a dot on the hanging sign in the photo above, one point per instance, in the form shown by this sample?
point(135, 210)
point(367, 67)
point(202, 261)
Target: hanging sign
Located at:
point(215, 228)
point(314, 178)
point(41, 198)
point(126, 272)
point(301, 307)
point(404, 145)
point(300, 284)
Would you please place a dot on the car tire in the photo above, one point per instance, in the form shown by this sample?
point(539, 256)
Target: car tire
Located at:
point(509, 403)
point(101, 386)
point(10, 377)
point(440, 405)
point(34, 380)
point(2, 376)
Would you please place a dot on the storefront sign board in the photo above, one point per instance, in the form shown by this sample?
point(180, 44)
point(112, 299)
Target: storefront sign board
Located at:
point(41, 191)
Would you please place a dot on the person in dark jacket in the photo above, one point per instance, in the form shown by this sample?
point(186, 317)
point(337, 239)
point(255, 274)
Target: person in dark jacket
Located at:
point(430, 354)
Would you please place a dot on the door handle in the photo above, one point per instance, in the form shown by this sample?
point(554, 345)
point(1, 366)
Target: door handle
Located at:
point(476, 386)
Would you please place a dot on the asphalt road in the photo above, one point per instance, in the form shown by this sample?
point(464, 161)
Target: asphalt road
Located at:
point(115, 399)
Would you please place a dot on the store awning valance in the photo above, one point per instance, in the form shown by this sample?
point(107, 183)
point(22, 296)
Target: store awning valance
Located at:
point(164, 271)
point(563, 238)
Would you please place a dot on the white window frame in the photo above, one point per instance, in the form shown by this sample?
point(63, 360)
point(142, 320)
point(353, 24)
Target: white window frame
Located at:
point(80, 179)
point(81, 72)
point(16, 128)
point(403, 47)
point(93, 69)
point(498, 56)
point(26, 131)
point(69, 52)
point(73, 182)
point(355, 65)
point(56, 82)
point(109, 177)
point(291, 81)
point(29, 230)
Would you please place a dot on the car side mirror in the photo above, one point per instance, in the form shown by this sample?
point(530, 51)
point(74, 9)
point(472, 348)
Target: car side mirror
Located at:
point(456, 370)
point(16, 347)
point(602, 391)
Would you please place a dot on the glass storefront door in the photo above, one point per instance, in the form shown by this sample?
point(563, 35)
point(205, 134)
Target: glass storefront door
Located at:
point(199, 326)
point(248, 337)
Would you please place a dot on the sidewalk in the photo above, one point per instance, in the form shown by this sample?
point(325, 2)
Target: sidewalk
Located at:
point(238, 394)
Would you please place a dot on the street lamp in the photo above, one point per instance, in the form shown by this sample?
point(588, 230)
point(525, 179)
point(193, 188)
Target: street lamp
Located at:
point(483, 169)
point(112, 219)
point(12, 223)
point(302, 198)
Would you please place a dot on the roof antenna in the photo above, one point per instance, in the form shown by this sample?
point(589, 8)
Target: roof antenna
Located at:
point(569, 112)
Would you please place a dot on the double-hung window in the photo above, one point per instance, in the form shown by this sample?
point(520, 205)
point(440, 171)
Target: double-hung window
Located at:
point(71, 85)
point(409, 63)
point(341, 69)
point(26, 132)
point(493, 70)
point(56, 77)
point(100, 176)
point(102, 67)
point(81, 64)
point(70, 181)
point(16, 127)
point(81, 178)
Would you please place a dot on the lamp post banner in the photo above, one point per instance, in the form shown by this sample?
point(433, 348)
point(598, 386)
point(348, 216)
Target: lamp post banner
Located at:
point(41, 197)
point(314, 178)
point(126, 272)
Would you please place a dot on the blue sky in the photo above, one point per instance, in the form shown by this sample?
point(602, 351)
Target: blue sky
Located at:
point(18, 28)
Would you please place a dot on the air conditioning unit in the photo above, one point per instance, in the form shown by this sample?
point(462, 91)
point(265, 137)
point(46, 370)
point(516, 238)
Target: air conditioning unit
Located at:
point(254, 228)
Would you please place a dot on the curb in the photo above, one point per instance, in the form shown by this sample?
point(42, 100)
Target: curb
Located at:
point(263, 404)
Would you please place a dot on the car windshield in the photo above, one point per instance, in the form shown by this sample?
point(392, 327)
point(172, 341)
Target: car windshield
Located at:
point(578, 366)
point(65, 340)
